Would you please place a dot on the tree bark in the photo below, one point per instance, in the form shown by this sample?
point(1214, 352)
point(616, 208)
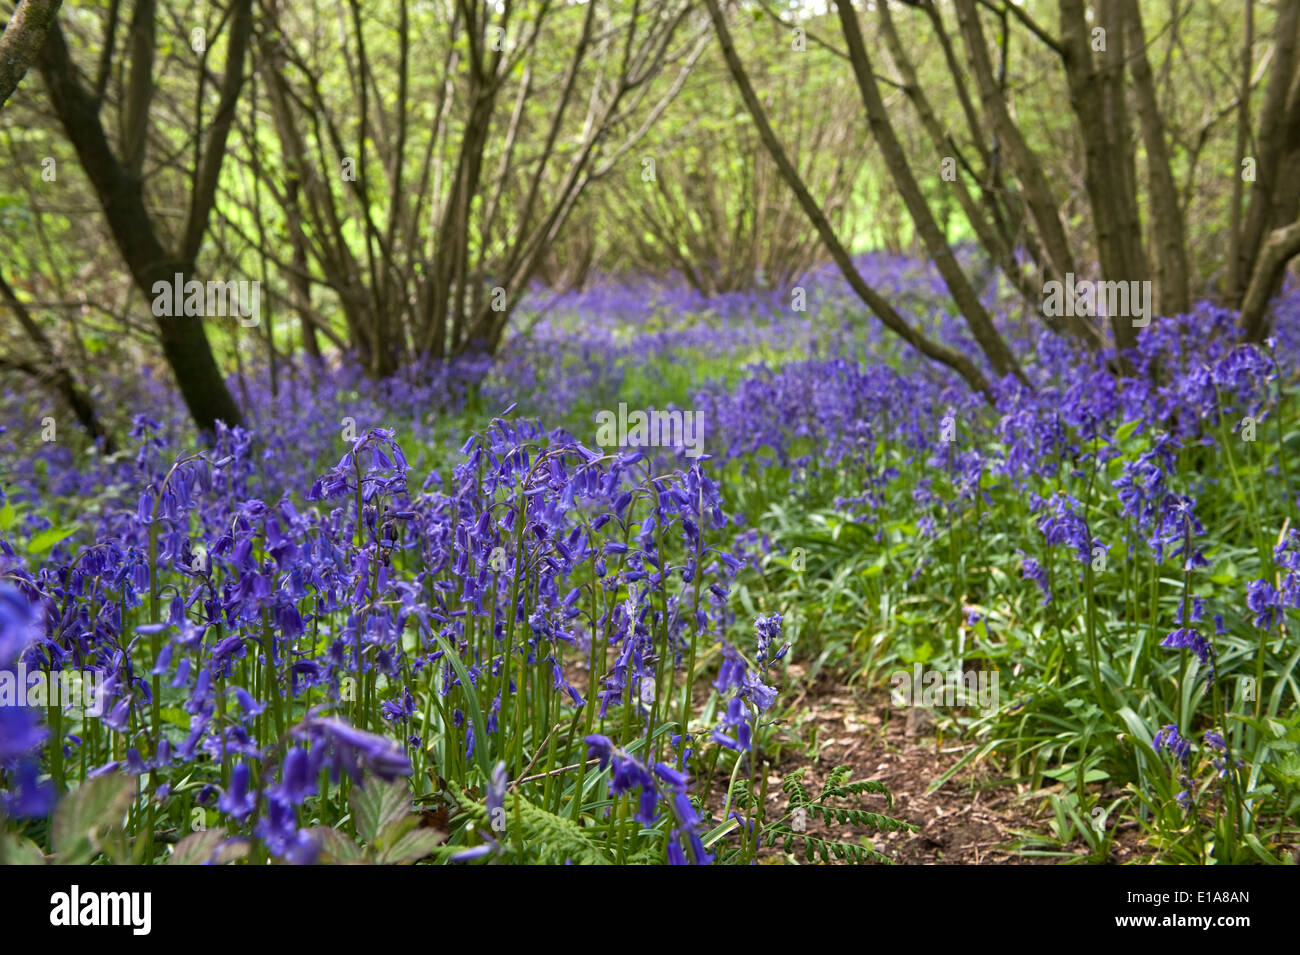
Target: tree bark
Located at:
point(1097, 98)
point(986, 336)
point(56, 372)
point(1276, 192)
point(882, 309)
point(1281, 246)
point(21, 41)
point(1033, 181)
point(1243, 139)
point(120, 194)
point(1172, 278)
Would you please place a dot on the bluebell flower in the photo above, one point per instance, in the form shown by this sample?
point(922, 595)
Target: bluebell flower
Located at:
point(19, 622)
point(20, 732)
point(345, 749)
point(769, 629)
point(297, 778)
point(1185, 638)
point(628, 776)
point(475, 852)
point(278, 829)
point(1168, 739)
point(496, 789)
point(1030, 569)
point(1062, 525)
point(237, 801)
point(31, 797)
point(1263, 599)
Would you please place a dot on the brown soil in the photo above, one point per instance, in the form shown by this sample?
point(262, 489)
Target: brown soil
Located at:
point(975, 818)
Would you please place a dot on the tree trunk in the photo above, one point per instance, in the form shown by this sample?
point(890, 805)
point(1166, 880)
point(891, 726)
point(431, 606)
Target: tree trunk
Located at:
point(877, 303)
point(1243, 138)
point(57, 373)
point(1097, 98)
point(986, 336)
point(1167, 216)
point(21, 41)
point(1277, 168)
point(1033, 181)
point(185, 344)
point(1281, 246)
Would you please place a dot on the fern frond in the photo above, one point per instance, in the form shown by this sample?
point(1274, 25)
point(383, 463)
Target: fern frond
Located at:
point(837, 786)
point(546, 837)
point(794, 788)
point(858, 788)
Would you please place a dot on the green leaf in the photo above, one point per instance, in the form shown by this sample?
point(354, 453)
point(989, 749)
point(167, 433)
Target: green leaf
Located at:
point(376, 805)
point(18, 850)
point(88, 814)
point(46, 539)
point(176, 716)
point(412, 846)
point(1123, 431)
point(1136, 725)
point(196, 848)
point(394, 830)
point(335, 846)
point(715, 834)
point(475, 709)
point(7, 516)
point(1257, 847)
point(1069, 772)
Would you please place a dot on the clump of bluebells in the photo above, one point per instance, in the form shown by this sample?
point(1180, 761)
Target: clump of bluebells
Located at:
point(1098, 522)
point(747, 696)
point(1216, 756)
point(475, 631)
point(515, 625)
point(21, 732)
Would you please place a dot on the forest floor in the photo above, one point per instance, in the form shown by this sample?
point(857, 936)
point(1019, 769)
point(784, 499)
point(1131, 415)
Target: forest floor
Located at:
point(974, 818)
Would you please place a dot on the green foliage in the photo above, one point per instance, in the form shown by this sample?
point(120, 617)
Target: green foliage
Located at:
point(387, 829)
point(88, 824)
point(208, 846)
point(533, 834)
point(791, 829)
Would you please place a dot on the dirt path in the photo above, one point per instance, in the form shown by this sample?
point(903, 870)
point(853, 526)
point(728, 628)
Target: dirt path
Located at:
point(973, 819)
